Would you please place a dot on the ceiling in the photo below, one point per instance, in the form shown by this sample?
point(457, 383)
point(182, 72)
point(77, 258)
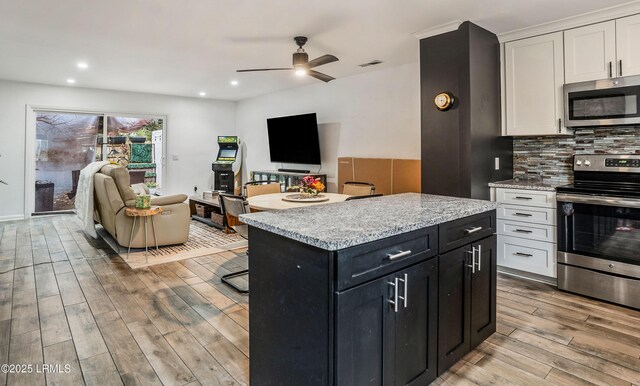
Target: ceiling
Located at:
point(184, 47)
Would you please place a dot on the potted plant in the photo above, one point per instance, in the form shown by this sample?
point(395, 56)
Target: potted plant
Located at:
point(116, 139)
point(141, 136)
point(136, 139)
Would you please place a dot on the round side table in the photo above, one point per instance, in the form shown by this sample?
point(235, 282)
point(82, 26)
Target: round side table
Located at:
point(146, 214)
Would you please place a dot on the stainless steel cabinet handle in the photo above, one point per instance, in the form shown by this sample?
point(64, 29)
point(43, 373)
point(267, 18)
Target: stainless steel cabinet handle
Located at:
point(398, 255)
point(620, 74)
point(523, 254)
point(610, 70)
point(404, 281)
point(473, 260)
point(522, 231)
point(524, 198)
point(406, 284)
point(522, 214)
point(479, 258)
point(473, 230)
point(394, 302)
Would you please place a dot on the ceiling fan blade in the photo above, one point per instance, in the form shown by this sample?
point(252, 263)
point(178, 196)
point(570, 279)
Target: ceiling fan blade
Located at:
point(264, 69)
point(324, 59)
point(320, 76)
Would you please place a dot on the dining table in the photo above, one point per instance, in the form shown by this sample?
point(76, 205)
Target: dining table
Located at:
point(278, 201)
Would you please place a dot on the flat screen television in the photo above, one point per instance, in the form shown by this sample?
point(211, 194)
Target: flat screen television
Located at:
point(294, 139)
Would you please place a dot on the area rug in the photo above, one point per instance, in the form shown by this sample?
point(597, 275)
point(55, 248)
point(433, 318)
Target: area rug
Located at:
point(203, 240)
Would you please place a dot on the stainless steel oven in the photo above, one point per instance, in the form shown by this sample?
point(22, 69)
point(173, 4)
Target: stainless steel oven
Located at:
point(599, 229)
point(603, 102)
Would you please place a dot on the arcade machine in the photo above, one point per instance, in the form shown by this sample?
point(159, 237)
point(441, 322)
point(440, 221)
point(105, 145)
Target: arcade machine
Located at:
point(226, 168)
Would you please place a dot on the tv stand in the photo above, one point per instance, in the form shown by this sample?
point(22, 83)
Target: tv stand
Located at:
point(294, 170)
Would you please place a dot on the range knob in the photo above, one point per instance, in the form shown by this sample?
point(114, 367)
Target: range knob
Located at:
point(578, 163)
point(587, 162)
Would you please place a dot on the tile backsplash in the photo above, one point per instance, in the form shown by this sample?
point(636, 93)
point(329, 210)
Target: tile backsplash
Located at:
point(551, 158)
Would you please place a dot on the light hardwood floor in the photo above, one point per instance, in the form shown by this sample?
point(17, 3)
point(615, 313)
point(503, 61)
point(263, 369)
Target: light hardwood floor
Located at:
point(65, 299)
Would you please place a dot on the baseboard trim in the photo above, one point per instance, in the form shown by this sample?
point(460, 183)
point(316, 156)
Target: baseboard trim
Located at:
point(12, 217)
point(528, 275)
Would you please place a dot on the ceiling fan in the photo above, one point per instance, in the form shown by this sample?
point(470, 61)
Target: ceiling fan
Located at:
point(301, 63)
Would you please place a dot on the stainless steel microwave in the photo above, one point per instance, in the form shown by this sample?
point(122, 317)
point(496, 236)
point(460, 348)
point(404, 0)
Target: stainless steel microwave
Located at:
point(606, 102)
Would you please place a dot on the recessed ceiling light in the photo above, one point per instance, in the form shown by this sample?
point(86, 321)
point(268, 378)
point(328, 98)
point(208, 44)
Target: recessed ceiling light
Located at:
point(71, 81)
point(202, 93)
point(83, 65)
point(234, 82)
point(301, 72)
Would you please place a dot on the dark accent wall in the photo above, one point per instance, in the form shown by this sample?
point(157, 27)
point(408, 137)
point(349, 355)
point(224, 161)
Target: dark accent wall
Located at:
point(459, 145)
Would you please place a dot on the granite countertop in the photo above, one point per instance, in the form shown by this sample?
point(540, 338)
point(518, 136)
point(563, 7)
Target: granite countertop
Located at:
point(527, 184)
point(345, 224)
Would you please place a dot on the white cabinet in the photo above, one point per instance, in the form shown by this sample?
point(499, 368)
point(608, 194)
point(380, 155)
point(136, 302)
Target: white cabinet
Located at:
point(628, 45)
point(527, 231)
point(590, 52)
point(604, 50)
point(527, 256)
point(534, 76)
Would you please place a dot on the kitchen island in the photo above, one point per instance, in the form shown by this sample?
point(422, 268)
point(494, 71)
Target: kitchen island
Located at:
point(389, 290)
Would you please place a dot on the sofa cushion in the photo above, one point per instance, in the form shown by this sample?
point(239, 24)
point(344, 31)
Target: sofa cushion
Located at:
point(120, 176)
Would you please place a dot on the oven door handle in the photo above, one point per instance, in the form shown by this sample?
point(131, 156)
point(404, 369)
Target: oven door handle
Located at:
point(598, 200)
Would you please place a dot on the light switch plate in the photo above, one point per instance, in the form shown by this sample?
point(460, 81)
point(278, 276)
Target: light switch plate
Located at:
point(497, 163)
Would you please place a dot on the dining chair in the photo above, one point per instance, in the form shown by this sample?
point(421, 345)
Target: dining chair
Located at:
point(256, 188)
point(235, 206)
point(360, 197)
point(354, 188)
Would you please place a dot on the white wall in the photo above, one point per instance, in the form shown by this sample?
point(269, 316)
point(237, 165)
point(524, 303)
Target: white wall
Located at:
point(192, 129)
point(376, 115)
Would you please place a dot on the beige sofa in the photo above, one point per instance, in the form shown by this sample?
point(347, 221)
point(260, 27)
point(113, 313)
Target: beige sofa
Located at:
point(113, 193)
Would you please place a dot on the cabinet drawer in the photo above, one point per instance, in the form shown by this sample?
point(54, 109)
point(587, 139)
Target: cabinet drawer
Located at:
point(457, 233)
point(526, 197)
point(527, 214)
point(527, 231)
point(527, 255)
point(369, 261)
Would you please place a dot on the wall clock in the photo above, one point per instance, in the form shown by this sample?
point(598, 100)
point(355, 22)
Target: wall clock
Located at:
point(443, 101)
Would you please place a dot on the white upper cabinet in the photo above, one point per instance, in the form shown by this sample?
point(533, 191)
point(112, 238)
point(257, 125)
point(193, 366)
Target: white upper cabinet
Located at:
point(534, 76)
point(590, 52)
point(628, 45)
point(604, 50)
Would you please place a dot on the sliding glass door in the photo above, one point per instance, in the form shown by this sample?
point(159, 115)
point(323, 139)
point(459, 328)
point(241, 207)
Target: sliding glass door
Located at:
point(136, 143)
point(65, 143)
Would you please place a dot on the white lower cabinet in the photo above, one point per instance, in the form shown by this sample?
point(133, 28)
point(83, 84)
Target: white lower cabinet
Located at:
point(537, 257)
point(527, 231)
point(527, 214)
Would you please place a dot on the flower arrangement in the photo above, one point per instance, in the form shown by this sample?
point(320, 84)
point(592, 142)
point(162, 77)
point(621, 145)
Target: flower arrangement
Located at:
point(309, 185)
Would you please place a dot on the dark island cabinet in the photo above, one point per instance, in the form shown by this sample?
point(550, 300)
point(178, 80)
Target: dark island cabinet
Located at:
point(467, 300)
point(392, 312)
point(386, 329)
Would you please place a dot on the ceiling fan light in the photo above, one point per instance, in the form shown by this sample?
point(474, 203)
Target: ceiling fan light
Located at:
point(301, 72)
